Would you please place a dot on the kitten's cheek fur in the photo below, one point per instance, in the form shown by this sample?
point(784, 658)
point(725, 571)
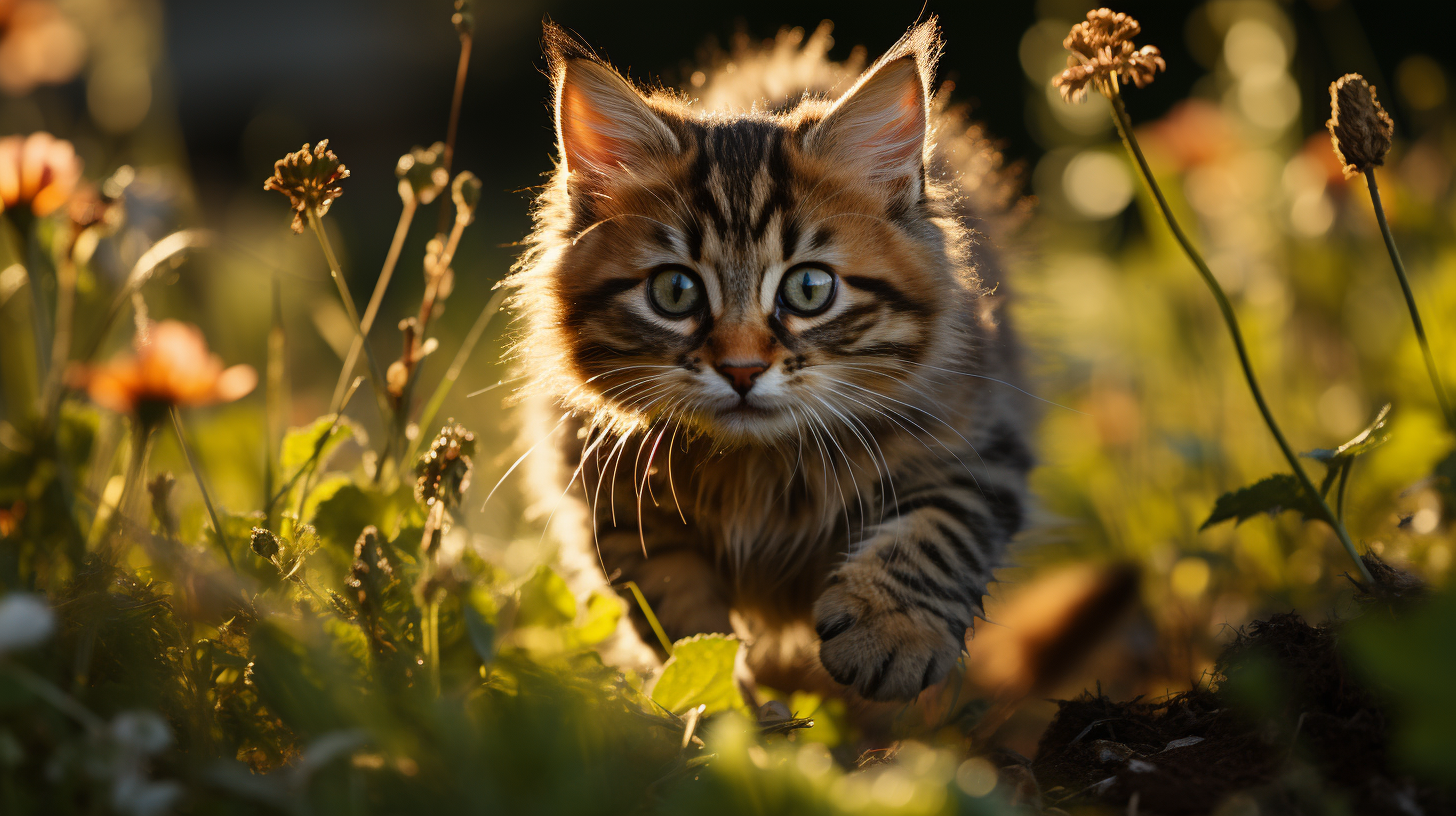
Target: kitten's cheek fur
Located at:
point(881, 648)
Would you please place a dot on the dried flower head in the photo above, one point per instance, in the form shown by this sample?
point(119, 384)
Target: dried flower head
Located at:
point(1359, 127)
point(38, 173)
point(310, 178)
point(465, 192)
point(371, 574)
point(444, 470)
point(1103, 53)
point(172, 368)
point(264, 543)
point(422, 173)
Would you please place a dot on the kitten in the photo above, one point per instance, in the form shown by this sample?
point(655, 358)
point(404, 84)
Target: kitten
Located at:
point(785, 375)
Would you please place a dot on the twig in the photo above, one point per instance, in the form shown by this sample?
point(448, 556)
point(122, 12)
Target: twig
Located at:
point(1226, 309)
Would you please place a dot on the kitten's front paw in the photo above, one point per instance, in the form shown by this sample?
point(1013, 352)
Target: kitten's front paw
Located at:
point(881, 647)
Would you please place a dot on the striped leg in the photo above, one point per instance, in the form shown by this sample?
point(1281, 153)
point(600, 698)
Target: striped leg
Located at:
point(894, 616)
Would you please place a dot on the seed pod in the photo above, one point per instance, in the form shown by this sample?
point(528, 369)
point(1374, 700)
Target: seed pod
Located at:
point(444, 470)
point(422, 173)
point(1359, 127)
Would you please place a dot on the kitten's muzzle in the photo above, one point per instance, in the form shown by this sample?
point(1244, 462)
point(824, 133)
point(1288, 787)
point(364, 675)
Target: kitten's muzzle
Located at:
point(741, 375)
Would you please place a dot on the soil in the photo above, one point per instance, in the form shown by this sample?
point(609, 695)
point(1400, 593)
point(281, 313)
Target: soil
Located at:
point(1285, 727)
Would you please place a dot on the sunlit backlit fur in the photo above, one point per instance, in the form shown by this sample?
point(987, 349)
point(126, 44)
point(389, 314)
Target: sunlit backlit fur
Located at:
point(864, 484)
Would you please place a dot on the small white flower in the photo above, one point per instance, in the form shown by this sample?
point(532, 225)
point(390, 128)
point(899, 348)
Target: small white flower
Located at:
point(136, 796)
point(143, 732)
point(25, 621)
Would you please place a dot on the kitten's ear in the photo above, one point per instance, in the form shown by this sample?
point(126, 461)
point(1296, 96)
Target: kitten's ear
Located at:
point(601, 121)
point(879, 126)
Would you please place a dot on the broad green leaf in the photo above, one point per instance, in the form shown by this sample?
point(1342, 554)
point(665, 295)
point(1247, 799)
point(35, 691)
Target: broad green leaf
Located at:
point(602, 614)
point(700, 673)
point(341, 516)
point(1367, 440)
point(322, 435)
point(546, 600)
point(1274, 494)
point(482, 634)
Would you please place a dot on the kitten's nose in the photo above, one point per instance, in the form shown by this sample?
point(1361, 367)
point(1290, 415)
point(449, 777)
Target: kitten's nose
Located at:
point(742, 374)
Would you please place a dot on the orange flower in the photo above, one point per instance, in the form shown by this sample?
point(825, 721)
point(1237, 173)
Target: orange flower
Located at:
point(173, 367)
point(37, 171)
point(38, 46)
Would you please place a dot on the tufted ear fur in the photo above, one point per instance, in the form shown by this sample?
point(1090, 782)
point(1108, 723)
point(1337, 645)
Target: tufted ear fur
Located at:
point(879, 127)
point(602, 123)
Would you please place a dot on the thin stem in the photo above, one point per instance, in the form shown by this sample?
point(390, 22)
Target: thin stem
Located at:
point(432, 644)
point(48, 691)
point(457, 365)
point(1410, 301)
point(277, 396)
point(376, 374)
point(317, 449)
point(1340, 490)
point(61, 340)
point(406, 217)
point(136, 467)
point(1226, 309)
point(461, 69)
point(415, 337)
point(201, 485)
point(651, 617)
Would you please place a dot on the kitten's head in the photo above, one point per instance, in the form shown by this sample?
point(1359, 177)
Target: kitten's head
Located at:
point(746, 274)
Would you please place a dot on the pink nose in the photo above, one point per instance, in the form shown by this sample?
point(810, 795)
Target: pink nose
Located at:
point(742, 375)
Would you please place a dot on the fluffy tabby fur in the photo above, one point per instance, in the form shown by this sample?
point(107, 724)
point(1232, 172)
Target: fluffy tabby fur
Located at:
point(845, 515)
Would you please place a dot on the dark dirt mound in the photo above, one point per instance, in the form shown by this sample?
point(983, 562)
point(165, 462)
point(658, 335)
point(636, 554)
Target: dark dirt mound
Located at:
point(1286, 724)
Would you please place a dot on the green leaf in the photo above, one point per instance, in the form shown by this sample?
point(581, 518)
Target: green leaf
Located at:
point(700, 673)
point(602, 614)
point(341, 510)
point(546, 600)
point(1367, 440)
point(1274, 494)
point(482, 634)
point(322, 435)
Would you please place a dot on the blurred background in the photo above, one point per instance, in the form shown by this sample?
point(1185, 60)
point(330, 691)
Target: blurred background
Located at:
point(1151, 422)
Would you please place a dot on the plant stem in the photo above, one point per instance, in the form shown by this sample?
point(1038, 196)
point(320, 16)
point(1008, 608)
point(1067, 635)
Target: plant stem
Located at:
point(456, 100)
point(1226, 309)
point(201, 486)
point(376, 374)
point(136, 468)
point(406, 217)
point(277, 396)
point(1410, 301)
point(61, 340)
point(457, 365)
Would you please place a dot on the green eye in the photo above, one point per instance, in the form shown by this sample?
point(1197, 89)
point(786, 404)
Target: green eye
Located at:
point(807, 289)
point(675, 291)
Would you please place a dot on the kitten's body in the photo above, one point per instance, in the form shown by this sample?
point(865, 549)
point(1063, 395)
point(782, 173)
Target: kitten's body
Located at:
point(863, 477)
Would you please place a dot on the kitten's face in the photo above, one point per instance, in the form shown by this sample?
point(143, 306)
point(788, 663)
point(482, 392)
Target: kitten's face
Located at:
point(752, 277)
